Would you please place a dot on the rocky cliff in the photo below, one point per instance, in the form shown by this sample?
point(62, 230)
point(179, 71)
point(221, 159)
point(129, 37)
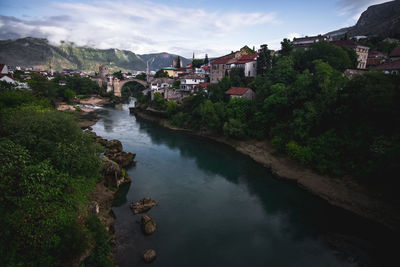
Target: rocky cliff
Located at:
point(378, 20)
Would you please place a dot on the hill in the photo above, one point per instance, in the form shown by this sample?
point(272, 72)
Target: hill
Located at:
point(40, 54)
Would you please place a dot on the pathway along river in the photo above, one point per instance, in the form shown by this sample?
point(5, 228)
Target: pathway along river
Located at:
point(217, 207)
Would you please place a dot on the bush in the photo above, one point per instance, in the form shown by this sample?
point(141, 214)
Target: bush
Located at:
point(234, 128)
point(301, 153)
point(180, 119)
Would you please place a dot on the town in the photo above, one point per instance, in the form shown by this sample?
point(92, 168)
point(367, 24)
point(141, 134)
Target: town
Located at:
point(177, 81)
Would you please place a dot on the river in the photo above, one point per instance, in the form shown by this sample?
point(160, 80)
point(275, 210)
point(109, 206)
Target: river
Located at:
point(217, 207)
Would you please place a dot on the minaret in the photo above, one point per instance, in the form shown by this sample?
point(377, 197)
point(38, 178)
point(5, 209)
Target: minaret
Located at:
point(193, 55)
point(147, 68)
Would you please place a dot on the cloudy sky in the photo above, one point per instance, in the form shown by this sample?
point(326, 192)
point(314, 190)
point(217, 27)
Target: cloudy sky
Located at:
point(215, 27)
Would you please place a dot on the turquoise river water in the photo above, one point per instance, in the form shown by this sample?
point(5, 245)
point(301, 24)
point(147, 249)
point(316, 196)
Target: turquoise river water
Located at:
point(217, 207)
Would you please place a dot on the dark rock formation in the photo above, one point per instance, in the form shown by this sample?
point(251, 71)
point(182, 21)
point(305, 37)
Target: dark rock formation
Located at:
point(148, 225)
point(143, 205)
point(149, 255)
point(381, 20)
point(122, 158)
point(113, 174)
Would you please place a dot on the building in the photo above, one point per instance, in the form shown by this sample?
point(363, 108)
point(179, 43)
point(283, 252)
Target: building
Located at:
point(247, 62)
point(7, 78)
point(170, 71)
point(3, 69)
point(241, 92)
point(158, 84)
point(392, 67)
point(361, 51)
point(395, 54)
point(103, 72)
point(175, 62)
point(306, 42)
point(375, 58)
point(191, 83)
point(218, 68)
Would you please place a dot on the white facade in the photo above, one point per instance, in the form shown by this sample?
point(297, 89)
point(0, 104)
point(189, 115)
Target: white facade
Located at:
point(7, 79)
point(4, 69)
point(189, 83)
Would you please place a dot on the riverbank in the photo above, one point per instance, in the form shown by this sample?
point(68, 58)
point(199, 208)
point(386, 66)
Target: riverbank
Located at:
point(337, 191)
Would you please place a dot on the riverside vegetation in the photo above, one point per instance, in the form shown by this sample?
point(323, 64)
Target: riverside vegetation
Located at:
point(308, 110)
point(48, 168)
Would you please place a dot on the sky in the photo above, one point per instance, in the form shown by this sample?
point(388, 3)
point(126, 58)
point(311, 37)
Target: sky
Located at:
point(215, 27)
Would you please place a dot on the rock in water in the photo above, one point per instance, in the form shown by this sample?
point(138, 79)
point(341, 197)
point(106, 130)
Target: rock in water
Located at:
point(143, 205)
point(149, 255)
point(148, 225)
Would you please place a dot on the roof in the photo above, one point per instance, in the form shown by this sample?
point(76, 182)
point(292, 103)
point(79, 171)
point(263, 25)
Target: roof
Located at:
point(374, 61)
point(204, 85)
point(162, 80)
point(394, 65)
point(246, 59)
point(2, 66)
point(168, 68)
point(376, 54)
point(223, 60)
point(395, 52)
point(237, 91)
point(206, 67)
point(346, 43)
point(192, 77)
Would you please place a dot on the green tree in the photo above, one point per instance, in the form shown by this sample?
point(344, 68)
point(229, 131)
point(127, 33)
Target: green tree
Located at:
point(264, 60)
point(161, 74)
point(119, 75)
point(178, 63)
point(286, 47)
point(197, 63)
point(206, 61)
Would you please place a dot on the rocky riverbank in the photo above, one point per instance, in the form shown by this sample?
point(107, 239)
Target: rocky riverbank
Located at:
point(339, 192)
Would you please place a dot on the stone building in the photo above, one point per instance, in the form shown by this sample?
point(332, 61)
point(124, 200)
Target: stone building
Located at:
point(103, 72)
point(219, 65)
point(241, 92)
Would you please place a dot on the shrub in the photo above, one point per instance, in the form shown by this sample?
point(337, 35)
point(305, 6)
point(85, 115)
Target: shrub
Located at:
point(301, 153)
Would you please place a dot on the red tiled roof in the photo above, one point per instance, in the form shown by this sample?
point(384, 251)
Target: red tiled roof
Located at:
point(223, 60)
point(374, 61)
point(394, 65)
point(395, 52)
point(206, 67)
point(237, 91)
point(376, 54)
point(204, 85)
point(246, 59)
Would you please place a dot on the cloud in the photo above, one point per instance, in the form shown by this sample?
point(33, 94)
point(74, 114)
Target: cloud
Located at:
point(354, 8)
point(139, 26)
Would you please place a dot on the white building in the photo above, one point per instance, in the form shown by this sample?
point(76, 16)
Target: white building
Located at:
point(158, 84)
point(247, 62)
point(191, 82)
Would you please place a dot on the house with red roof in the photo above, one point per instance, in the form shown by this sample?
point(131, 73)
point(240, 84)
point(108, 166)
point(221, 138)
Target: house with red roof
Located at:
point(248, 63)
point(391, 67)
point(395, 54)
point(241, 92)
point(375, 58)
point(220, 66)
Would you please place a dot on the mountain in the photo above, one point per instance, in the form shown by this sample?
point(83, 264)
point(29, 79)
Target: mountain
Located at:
point(161, 60)
point(381, 20)
point(40, 54)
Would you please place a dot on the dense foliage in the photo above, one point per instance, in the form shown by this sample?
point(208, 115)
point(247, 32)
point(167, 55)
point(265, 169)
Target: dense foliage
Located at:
point(48, 166)
point(310, 111)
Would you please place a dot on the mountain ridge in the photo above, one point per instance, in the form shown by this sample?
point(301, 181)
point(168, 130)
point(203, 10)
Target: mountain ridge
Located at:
point(381, 20)
point(40, 54)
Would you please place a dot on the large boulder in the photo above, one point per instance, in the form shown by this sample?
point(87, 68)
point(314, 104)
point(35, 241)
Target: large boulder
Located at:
point(113, 174)
point(143, 205)
point(148, 225)
point(122, 158)
point(149, 255)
